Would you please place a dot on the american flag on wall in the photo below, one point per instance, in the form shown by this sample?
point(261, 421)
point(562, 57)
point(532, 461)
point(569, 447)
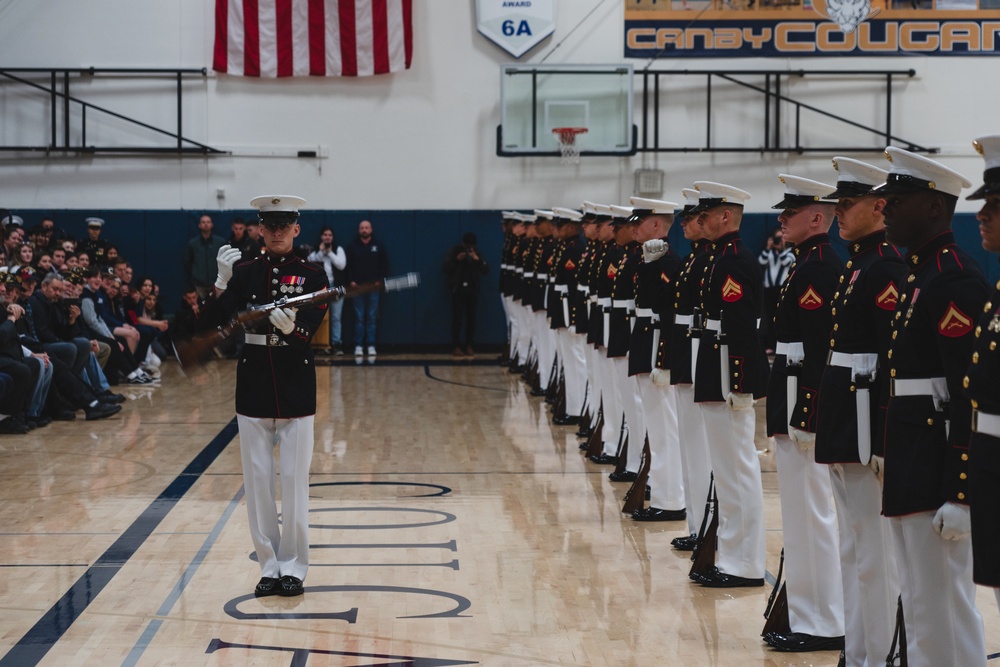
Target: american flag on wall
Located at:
point(273, 38)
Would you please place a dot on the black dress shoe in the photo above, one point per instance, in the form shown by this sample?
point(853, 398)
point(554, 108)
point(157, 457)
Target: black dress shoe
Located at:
point(603, 459)
point(566, 420)
point(290, 586)
point(699, 578)
point(583, 432)
point(13, 426)
point(102, 411)
point(623, 476)
point(722, 580)
point(686, 543)
point(656, 514)
point(800, 642)
point(537, 392)
point(265, 587)
point(112, 398)
point(64, 416)
point(38, 422)
point(514, 369)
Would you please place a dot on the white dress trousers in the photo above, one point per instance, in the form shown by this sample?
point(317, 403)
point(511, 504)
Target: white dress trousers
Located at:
point(281, 551)
point(545, 342)
point(809, 530)
point(628, 388)
point(697, 465)
point(666, 472)
point(943, 626)
point(730, 436)
point(867, 564)
point(614, 418)
point(574, 365)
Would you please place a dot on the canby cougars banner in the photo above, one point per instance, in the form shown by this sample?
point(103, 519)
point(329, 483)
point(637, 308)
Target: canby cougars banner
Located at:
point(742, 28)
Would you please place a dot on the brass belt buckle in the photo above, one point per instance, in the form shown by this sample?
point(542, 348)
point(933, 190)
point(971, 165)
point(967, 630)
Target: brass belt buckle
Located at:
point(273, 340)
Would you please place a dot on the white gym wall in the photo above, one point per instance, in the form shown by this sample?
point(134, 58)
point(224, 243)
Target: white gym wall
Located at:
point(421, 139)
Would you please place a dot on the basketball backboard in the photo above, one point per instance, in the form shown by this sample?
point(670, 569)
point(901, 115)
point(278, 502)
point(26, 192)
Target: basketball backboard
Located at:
point(535, 99)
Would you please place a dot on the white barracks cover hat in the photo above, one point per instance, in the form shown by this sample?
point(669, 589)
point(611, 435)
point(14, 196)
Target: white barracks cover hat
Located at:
point(603, 212)
point(691, 197)
point(278, 203)
point(856, 178)
point(567, 214)
point(802, 192)
point(642, 207)
point(712, 194)
point(543, 213)
point(915, 173)
point(989, 148)
point(620, 214)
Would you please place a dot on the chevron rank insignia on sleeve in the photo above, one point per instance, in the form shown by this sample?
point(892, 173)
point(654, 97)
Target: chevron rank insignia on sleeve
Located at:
point(887, 298)
point(810, 299)
point(731, 290)
point(954, 323)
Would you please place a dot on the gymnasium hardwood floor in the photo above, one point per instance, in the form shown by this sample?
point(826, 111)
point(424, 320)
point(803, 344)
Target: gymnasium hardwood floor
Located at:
point(453, 525)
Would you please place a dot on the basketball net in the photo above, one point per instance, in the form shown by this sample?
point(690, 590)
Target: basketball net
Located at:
point(569, 149)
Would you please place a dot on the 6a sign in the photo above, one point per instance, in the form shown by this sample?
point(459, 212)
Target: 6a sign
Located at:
point(516, 26)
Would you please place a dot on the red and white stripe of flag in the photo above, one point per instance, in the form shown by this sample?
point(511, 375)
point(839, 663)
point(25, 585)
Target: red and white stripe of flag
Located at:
point(274, 38)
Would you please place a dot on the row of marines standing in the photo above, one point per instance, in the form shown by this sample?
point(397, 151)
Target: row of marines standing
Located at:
point(879, 395)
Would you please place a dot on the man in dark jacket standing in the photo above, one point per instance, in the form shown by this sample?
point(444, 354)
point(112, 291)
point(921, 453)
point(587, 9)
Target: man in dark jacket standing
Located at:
point(463, 266)
point(367, 262)
point(199, 256)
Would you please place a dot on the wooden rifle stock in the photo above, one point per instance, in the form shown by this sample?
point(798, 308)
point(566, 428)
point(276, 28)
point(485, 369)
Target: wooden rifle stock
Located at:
point(635, 497)
point(596, 442)
point(622, 454)
point(776, 612)
point(703, 557)
point(559, 406)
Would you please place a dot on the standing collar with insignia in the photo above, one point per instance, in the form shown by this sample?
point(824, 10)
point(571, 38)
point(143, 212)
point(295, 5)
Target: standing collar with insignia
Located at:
point(866, 243)
point(929, 249)
point(278, 259)
point(810, 243)
point(726, 238)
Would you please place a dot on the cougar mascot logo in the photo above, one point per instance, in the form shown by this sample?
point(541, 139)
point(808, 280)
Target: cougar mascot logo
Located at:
point(848, 14)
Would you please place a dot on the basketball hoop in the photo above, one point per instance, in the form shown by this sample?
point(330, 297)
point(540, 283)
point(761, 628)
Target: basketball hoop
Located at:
point(568, 148)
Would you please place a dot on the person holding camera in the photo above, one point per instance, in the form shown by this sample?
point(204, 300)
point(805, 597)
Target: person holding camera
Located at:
point(463, 266)
point(334, 260)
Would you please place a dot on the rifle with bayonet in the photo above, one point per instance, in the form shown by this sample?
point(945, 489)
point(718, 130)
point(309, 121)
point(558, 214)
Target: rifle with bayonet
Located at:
point(199, 348)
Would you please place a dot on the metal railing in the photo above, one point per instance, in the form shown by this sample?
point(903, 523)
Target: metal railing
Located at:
point(774, 104)
point(57, 88)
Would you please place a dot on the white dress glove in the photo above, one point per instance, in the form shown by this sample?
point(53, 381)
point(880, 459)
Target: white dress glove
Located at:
point(283, 319)
point(877, 464)
point(653, 249)
point(952, 522)
point(739, 401)
point(227, 257)
point(660, 377)
point(804, 439)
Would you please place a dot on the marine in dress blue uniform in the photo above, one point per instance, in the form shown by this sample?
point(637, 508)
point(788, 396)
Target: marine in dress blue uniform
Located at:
point(620, 322)
point(731, 372)
point(570, 345)
point(983, 391)
point(275, 391)
point(651, 220)
point(927, 431)
point(802, 324)
point(678, 354)
point(857, 375)
point(605, 272)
